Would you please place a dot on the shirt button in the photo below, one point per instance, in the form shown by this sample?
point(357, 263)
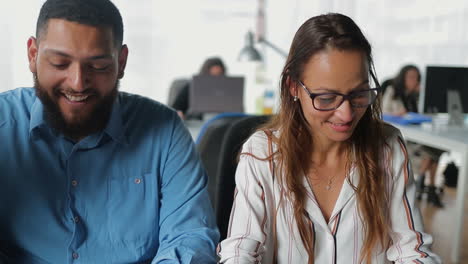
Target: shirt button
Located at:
point(137, 181)
point(74, 183)
point(75, 255)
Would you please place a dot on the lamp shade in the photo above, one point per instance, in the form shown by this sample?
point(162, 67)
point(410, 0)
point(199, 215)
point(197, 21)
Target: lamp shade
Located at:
point(249, 52)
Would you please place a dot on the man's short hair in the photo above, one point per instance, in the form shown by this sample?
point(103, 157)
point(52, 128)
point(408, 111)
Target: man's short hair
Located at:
point(87, 12)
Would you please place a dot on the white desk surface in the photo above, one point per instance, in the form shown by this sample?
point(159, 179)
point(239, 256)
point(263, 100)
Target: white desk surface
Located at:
point(446, 138)
point(450, 139)
point(194, 127)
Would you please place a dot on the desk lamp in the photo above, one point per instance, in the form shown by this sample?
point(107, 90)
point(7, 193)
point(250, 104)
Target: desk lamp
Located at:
point(250, 53)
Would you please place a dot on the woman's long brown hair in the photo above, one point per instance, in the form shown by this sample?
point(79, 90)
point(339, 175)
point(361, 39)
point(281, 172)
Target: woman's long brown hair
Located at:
point(295, 146)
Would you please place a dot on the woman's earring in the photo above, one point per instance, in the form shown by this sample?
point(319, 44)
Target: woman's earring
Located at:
point(296, 98)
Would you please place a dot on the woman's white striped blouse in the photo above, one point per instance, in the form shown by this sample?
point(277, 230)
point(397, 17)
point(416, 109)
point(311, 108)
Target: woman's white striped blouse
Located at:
point(339, 241)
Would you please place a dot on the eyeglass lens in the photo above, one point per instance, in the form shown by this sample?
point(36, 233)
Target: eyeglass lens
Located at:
point(333, 101)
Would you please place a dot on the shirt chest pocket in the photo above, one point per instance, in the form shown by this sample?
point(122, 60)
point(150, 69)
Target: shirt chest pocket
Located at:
point(133, 209)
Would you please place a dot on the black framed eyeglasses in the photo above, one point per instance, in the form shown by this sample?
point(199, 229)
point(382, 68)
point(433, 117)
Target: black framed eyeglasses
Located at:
point(331, 100)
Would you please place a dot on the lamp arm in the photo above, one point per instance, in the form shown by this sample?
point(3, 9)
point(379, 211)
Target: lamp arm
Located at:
point(273, 46)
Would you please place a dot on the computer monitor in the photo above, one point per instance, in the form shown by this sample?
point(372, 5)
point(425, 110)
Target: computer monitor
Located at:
point(443, 84)
point(216, 94)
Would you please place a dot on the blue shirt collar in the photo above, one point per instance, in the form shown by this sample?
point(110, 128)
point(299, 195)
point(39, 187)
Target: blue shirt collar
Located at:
point(115, 128)
point(37, 116)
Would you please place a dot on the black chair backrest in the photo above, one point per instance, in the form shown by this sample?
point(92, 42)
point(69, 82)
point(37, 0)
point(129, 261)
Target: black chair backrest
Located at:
point(235, 136)
point(209, 148)
point(178, 92)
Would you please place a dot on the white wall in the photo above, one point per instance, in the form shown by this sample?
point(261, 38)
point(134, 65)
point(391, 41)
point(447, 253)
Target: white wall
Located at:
point(423, 32)
point(17, 24)
point(170, 39)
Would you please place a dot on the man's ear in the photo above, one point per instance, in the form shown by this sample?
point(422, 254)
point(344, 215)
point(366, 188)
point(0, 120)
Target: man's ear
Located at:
point(32, 53)
point(122, 61)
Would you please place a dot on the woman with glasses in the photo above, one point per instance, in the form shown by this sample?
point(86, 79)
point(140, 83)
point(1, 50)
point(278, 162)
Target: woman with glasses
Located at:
point(326, 181)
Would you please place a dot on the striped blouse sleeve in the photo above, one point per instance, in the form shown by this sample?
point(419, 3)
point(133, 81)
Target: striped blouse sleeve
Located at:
point(247, 233)
point(409, 243)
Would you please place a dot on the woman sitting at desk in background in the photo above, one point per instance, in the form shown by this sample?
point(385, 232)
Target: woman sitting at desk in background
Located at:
point(400, 98)
point(179, 89)
point(326, 181)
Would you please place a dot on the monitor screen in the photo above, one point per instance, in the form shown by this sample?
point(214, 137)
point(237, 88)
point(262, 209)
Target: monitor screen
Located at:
point(439, 80)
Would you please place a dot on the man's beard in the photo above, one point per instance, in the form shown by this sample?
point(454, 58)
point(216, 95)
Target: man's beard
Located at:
point(82, 126)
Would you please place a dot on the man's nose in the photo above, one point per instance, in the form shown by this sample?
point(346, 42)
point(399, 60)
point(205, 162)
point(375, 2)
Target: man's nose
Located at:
point(77, 77)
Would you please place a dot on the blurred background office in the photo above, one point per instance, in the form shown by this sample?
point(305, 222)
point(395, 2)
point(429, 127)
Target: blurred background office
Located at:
point(169, 39)
point(179, 89)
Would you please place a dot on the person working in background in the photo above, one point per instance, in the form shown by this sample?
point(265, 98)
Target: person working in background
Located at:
point(399, 99)
point(88, 173)
point(326, 181)
point(179, 89)
point(402, 95)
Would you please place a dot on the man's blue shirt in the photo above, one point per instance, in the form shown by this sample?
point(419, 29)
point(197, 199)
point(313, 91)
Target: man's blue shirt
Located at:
point(133, 193)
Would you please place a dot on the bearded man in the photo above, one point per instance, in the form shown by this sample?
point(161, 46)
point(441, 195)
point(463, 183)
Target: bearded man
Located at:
point(89, 174)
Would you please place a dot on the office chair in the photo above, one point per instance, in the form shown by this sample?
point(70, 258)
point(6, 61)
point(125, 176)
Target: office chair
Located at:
point(176, 98)
point(209, 143)
point(384, 85)
point(235, 136)
point(212, 122)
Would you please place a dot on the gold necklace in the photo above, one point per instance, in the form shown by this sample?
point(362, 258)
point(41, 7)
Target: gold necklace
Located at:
point(330, 182)
point(331, 179)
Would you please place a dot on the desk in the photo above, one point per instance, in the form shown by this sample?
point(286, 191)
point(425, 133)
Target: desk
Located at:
point(452, 139)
